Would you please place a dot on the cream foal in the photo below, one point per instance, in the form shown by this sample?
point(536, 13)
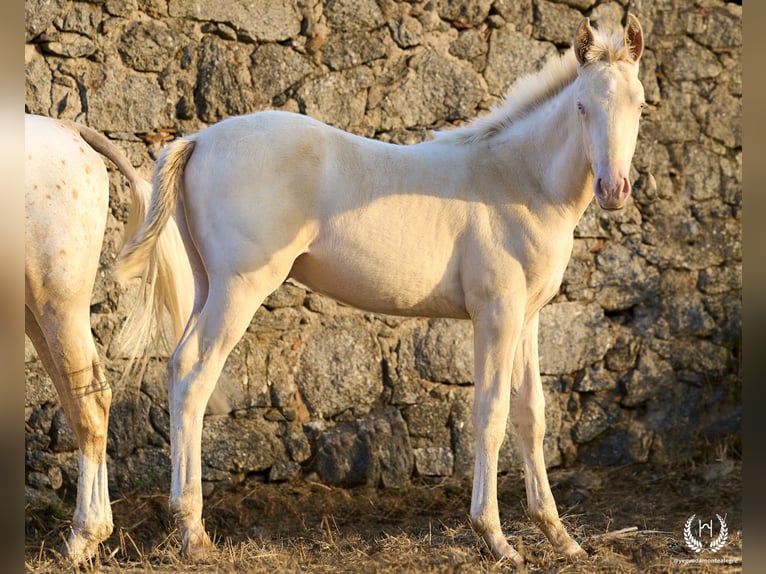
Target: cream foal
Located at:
point(476, 224)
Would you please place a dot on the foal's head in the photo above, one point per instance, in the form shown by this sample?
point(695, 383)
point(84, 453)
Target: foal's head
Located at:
point(609, 100)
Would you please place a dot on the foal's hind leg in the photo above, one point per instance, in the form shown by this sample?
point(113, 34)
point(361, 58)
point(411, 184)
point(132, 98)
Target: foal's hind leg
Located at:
point(527, 414)
point(65, 346)
point(193, 371)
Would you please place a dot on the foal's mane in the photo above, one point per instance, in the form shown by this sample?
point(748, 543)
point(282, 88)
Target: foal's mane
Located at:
point(533, 90)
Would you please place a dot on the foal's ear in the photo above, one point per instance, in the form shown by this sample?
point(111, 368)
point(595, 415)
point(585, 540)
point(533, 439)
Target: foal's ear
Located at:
point(583, 40)
point(634, 37)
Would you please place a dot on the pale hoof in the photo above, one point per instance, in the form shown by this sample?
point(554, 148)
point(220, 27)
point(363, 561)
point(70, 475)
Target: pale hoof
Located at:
point(197, 547)
point(572, 550)
point(79, 548)
point(502, 550)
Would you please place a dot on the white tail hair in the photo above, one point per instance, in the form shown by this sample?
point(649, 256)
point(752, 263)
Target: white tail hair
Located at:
point(156, 255)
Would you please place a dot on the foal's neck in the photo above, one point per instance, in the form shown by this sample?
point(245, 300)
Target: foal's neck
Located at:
point(555, 155)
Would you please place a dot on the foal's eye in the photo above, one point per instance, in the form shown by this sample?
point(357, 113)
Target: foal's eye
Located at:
point(580, 108)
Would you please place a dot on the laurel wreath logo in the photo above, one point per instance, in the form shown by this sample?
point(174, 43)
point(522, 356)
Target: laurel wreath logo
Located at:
point(715, 545)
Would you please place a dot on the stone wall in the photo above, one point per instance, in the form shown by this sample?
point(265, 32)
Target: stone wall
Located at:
point(640, 350)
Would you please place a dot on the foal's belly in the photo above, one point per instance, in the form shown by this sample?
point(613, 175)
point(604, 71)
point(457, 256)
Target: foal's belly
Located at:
point(380, 287)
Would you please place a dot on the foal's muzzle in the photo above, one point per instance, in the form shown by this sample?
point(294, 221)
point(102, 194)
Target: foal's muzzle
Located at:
point(612, 193)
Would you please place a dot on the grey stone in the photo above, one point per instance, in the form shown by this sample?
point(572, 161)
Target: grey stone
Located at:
point(374, 451)
point(436, 88)
point(223, 85)
point(353, 14)
point(620, 279)
point(651, 375)
point(265, 20)
point(469, 44)
point(69, 45)
point(344, 50)
point(595, 379)
point(339, 368)
point(37, 80)
point(82, 18)
point(433, 461)
point(407, 32)
point(440, 350)
point(276, 68)
point(125, 101)
point(239, 445)
point(511, 56)
point(555, 22)
point(594, 419)
point(694, 61)
point(39, 14)
point(718, 28)
point(429, 420)
point(284, 470)
point(148, 46)
point(627, 442)
point(62, 435)
point(464, 13)
point(721, 279)
point(337, 98)
point(572, 336)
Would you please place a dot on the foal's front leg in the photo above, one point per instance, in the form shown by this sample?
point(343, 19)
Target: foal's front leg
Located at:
point(527, 413)
point(495, 337)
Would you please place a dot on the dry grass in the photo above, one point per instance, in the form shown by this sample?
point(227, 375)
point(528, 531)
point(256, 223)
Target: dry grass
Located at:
point(629, 519)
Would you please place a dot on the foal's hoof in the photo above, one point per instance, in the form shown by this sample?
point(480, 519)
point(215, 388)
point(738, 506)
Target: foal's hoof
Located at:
point(79, 549)
point(504, 551)
point(572, 550)
point(198, 548)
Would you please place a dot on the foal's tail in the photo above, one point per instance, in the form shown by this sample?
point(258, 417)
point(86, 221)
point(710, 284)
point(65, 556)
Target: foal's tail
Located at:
point(157, 256)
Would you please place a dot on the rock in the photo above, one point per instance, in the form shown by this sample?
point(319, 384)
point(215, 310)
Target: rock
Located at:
point(621, 280)
point(374, 451)
point(594, 379)
point(37, 80)
point(69, 45)
point(358, 15)
point(463, 13)
point(148, 46)
point(239, 445)
point(571, 337)
point(276, 68)
point(555, 22)
point(651, 375)
point(339, 368)
point(39, 14)
point(512, 55)
point(594, 419)
point(264, 20)
point(126, 101)
point(625, 443)
point(407, 32)
point(433, 461)
point(337, 98)
point(223, 85)
point(440, 350)
point(344, 50)
point(434, 88)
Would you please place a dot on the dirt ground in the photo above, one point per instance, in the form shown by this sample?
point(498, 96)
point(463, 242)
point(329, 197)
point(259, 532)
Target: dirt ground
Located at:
point(629, 519)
